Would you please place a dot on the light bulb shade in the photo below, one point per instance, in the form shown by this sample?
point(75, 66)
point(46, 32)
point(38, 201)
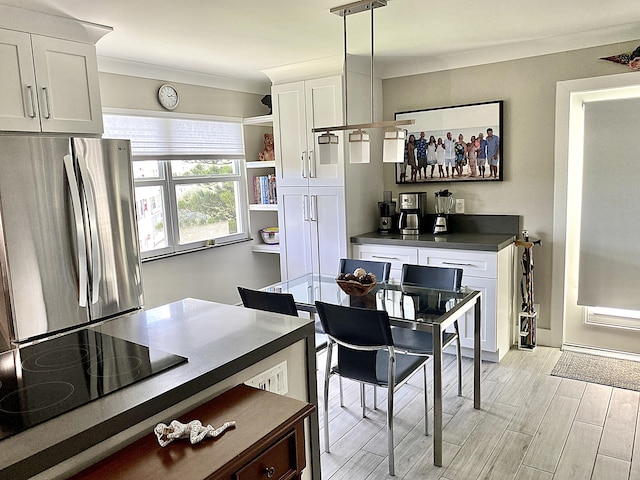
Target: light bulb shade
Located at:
point(328, 148)
point(393, 146)
point(359, 149)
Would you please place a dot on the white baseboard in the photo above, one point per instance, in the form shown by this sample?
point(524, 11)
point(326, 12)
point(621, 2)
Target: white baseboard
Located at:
point(601, 352)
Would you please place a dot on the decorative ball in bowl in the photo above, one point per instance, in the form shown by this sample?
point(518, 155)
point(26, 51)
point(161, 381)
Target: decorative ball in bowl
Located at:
point(358, 283)
point(271, 235)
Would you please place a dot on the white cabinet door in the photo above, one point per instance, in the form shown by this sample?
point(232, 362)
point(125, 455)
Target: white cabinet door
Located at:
point(290, 138)
point(312, 230)
point(298, 108)
point(329, 238)
point(323, 99)
point(295, 232)
point(19, 107)
point(488, 315)
point(50, 85)
point(68, 87)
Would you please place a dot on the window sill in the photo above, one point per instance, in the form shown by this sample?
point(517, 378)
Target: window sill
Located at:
point(193, 250)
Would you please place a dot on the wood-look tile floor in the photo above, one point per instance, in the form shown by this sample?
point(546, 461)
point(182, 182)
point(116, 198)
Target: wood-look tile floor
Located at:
point(532, 426)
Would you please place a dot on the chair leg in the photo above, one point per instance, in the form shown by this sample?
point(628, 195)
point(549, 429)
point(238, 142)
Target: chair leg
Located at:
point(362, 400)
point(327, 374)
point(390, 392)
point(459, 355)
point(341, 397)
point(426, 401)
point(375, 397)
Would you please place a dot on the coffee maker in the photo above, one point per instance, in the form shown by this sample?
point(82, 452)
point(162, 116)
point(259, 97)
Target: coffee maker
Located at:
point(413, 205)
point(444, 204)
point(387, 218)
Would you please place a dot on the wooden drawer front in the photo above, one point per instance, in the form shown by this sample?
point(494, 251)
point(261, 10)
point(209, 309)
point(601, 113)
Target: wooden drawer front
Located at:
point(279, 462)
point(394, 255)
point(474, 264)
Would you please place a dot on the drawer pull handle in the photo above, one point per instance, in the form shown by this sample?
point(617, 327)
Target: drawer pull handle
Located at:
point(459, 264)
point(270, 471)
point(385, 258)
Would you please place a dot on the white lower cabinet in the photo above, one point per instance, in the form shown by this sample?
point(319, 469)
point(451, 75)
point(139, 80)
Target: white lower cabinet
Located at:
point(489, 272)
point(397, 256)
point(313, 235)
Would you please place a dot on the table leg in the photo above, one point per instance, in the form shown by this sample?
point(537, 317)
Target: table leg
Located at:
point(437, 395)
point(477, 355)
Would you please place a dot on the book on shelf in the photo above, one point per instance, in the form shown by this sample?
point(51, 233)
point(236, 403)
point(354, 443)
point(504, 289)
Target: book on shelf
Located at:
point(264, 190)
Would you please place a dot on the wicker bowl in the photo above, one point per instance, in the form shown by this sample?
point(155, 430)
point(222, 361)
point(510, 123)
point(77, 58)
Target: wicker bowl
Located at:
point(355, 288)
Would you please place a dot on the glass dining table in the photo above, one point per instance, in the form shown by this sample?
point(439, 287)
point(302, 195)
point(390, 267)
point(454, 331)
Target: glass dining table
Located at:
point(412, 307)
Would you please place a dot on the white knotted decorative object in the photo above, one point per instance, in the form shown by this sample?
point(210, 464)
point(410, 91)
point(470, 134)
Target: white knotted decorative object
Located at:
point(194, 430)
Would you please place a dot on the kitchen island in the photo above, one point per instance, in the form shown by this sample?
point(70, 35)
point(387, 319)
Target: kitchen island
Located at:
point(225, 345)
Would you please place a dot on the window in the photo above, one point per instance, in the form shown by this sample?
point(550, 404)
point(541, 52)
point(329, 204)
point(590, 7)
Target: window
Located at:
point(189, 182)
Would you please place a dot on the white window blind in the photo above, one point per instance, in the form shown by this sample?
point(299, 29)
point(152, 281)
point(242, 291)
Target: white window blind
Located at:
point(609, 263)
point(162, 136)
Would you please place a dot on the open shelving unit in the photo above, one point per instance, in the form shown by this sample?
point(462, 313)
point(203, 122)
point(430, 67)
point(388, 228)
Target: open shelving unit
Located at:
point(261, 215)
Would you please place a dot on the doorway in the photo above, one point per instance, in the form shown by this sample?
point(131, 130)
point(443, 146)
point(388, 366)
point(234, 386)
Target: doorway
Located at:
point(578, 330)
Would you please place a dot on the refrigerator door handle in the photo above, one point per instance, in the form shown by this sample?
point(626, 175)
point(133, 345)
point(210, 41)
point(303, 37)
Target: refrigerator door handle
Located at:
point(80, 239)
point(90, 198)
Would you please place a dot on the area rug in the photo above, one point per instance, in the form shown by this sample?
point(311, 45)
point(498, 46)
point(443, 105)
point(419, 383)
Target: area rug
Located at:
point(596, 369)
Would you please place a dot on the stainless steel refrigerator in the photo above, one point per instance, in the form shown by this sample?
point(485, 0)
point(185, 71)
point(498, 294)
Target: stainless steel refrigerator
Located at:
point(69, 251)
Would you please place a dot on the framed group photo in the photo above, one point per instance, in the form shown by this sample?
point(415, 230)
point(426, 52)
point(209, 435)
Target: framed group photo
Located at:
point(461, 143)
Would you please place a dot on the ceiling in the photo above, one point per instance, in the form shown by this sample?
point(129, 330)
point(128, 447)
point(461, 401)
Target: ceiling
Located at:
point(240, 39)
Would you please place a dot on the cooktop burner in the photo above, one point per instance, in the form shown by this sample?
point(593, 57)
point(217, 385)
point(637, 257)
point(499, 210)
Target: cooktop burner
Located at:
point(46, 379)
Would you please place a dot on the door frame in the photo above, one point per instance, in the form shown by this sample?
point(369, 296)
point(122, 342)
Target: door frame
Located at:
point(566, 315)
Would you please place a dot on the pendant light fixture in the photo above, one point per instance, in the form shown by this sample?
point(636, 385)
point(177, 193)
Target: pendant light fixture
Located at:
point(359, 145)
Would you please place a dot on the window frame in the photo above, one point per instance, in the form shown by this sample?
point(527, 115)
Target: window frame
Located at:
point(168, 183)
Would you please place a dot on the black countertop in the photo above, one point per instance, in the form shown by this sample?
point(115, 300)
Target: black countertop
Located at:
point(486, 242)
point(218, 340)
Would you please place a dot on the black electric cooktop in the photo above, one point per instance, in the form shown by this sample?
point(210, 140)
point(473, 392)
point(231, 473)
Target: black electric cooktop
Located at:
point(46, 379)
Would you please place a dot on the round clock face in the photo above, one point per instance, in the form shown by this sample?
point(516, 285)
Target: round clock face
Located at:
point(168, 96)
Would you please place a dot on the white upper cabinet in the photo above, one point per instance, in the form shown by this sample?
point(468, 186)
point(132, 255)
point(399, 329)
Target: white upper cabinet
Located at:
point(299, 107)
point(50, 85)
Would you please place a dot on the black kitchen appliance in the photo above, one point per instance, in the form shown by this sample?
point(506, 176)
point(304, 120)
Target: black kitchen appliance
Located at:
point(46, 379)
point(387, 221)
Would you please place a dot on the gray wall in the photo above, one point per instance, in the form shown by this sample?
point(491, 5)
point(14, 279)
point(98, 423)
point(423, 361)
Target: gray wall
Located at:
point(528, 89)
point(211, 274)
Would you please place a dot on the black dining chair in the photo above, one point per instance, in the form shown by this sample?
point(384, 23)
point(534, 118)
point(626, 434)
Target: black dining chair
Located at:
point(277, 303)
point(421, 343)
point(367, 355)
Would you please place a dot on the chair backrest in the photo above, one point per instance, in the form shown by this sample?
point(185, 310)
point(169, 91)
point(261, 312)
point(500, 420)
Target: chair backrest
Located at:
point(356, 327)
point(441, 278)
point(380, 269)
point(268, 301)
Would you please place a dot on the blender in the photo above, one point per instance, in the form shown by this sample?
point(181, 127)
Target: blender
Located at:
point(444, 204)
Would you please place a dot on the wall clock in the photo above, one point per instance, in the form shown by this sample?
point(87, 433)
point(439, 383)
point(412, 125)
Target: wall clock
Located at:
point(168, 96)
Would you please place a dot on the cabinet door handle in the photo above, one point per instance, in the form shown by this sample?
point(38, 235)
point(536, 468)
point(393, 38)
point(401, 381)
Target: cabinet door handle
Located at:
point(47, 114)
point(32, 100)
point(270, 472)
point(305, 207)
point(312, 164)
point(302, 162)
point(459, 264)
point(384, 258)
point(314, 208)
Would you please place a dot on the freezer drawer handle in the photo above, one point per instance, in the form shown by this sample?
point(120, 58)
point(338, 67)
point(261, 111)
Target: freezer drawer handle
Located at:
point(90, 198)
point(80, 239)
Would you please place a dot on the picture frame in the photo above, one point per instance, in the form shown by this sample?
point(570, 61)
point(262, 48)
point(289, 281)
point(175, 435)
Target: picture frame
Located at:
point(480, 161)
